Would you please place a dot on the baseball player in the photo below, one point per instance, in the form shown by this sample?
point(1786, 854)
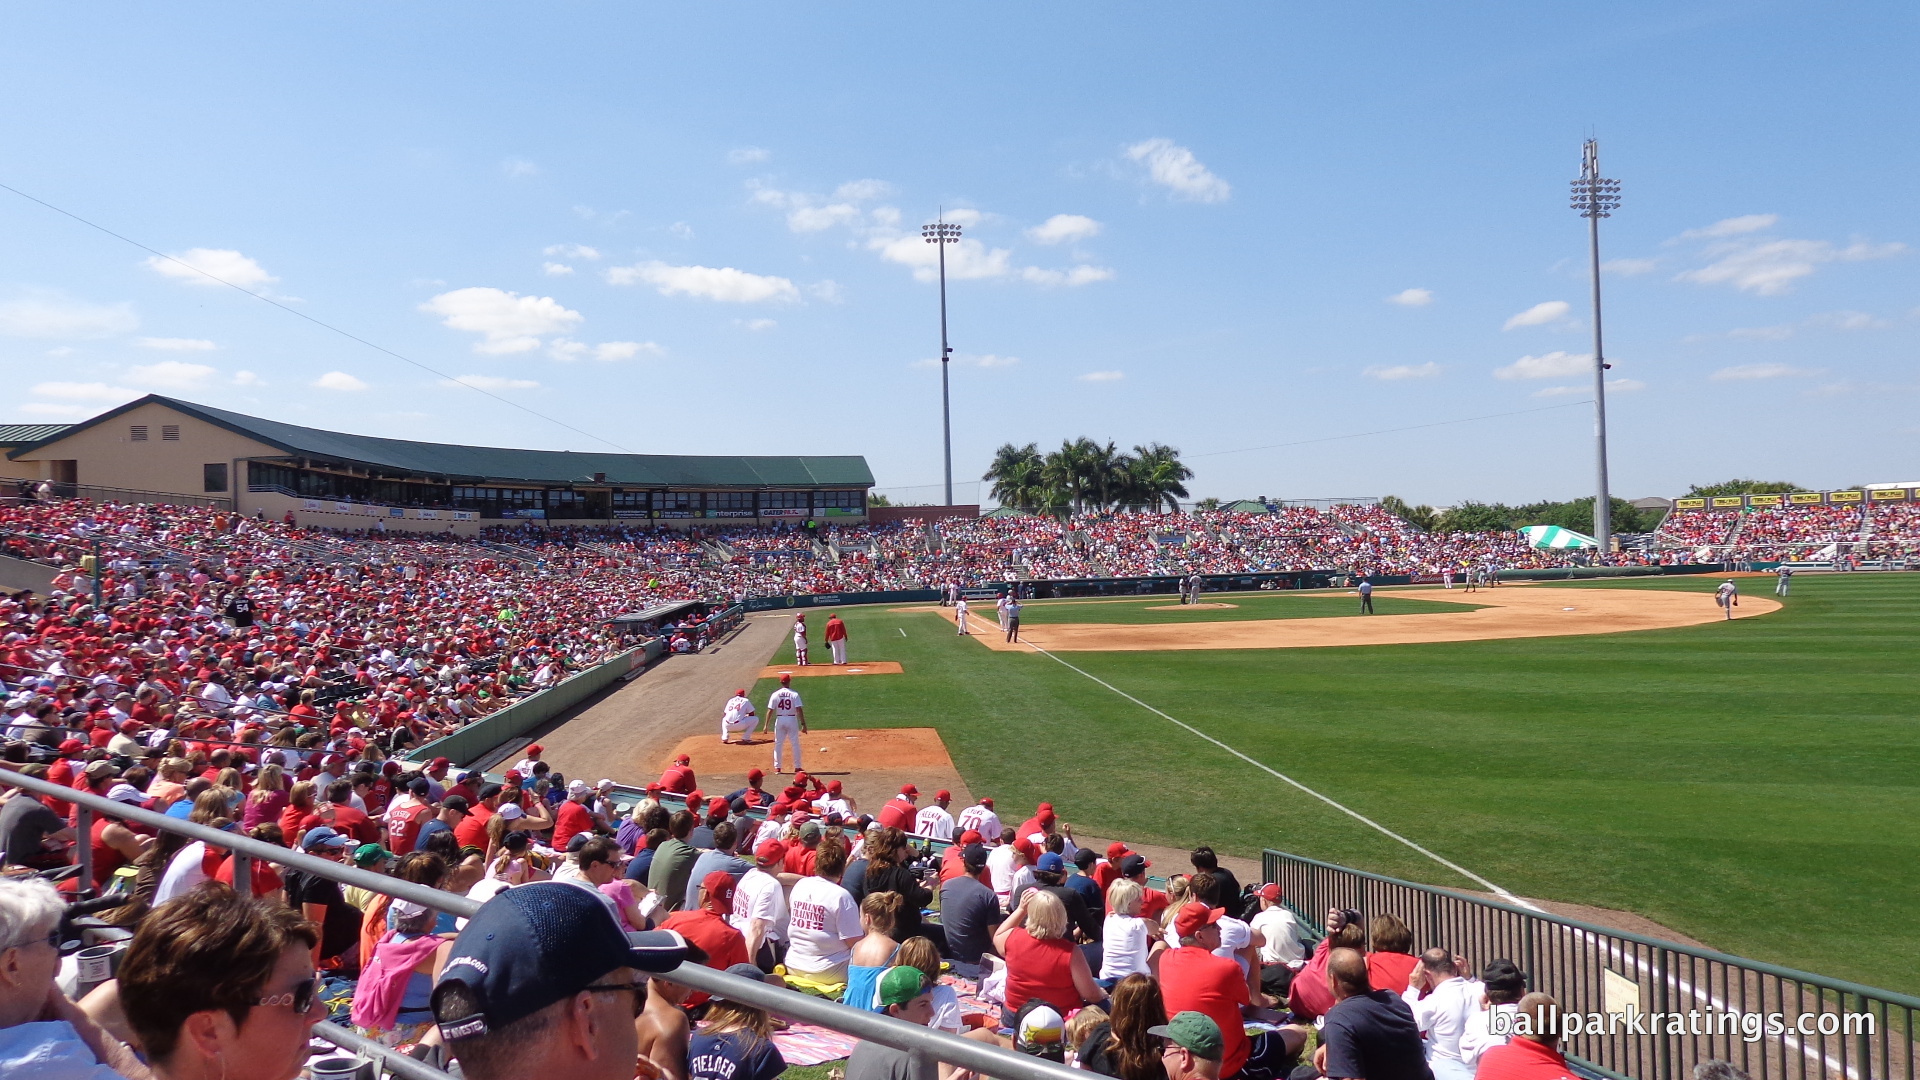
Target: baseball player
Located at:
point(789, 722)
point(1727, 596)
point(1000, 608)
point(1013, 621)
point(738, 718)
point(837, 638)
point(800, 640)
point(934, 820)
point(1786, 580)
point(981, 819)
point(960, 614)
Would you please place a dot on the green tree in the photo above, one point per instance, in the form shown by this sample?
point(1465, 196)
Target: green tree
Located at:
point(1208, 503)
point(1016, 474)
point(1157, 477)
point(1743, 487)
point(1477, 517)
point(1420, 517)
point(879, 500)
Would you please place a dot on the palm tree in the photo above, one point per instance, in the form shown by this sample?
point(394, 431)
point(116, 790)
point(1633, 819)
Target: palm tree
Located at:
point(1016, 475)
point(1159, 476)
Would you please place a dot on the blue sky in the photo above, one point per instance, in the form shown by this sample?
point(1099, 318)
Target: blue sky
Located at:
point(1222, 227)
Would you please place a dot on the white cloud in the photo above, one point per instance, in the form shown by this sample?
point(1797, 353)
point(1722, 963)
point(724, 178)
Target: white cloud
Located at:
point(1624, 386)
point(863, 190)
point(77, 391)
point(821, 218)
point(1539, 314)
point(247, 378)
point(571, 251)
point(62, 350)
point(1629, 267)
point(491, 382)
point(176, 344)
point(1743, 372)
point(1079, 275)
point(968, 259)
point(509, 322)
point(681, 229)
point(1617, 386)
point(338, 380)
point(54, 412)
point(172, 375)
point(962, 216)
point(1412, 297)
point(1848, 320)
point(519, 167)
point(1404, 371)
point(567, 350)
point(976, 360)
point(1770, 267)
point(1176, 169)
point(1733, 226)
point(1064, 229)
point(554, 269)
point(722, 283)
point(759, 325)
point(1761, 333)
point(747, 155)
point(826, 289)
point(1102, 376)
point(50, 315)
point(203, 265)
point(1553, 365)
point(1559, 391)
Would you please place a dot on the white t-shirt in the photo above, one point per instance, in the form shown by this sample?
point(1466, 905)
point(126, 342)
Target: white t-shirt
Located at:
point(935, 822)
point(1477, 1037)
point(1443, 1014)
point(1282, 932)
point(1123, 941)
point(182, 874)
point(1000, 871)
point(821, 917)
point(784, 705)
point(760, 896)
point(946, 1010)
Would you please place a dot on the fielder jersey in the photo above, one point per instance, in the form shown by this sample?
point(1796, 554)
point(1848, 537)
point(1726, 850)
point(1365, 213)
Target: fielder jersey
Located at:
point(784, 704)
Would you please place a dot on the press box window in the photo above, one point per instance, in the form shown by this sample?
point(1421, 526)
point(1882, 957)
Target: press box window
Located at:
point(214, 476)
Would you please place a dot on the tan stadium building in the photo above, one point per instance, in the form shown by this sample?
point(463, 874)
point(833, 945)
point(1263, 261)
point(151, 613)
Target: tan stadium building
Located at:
point(158, 446)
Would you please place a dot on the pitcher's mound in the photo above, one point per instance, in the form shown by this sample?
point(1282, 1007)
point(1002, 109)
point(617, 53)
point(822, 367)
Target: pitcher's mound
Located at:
point(1187, 607)
point(837, 751)
point(871, 667)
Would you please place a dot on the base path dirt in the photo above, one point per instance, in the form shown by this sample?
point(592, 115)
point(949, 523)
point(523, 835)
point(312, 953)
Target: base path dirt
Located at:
point(872, 763)
point(1507, 612)
point(1188, 607)
point(871, 667)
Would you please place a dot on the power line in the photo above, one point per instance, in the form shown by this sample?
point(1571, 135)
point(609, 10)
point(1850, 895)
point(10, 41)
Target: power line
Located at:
point(301, 314)
point(1390, 431)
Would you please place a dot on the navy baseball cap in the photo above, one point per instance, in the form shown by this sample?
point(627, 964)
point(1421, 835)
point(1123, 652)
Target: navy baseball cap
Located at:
point(1050, 863)
point(535, 944)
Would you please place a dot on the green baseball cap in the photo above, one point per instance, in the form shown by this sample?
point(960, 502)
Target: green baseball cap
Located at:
point(899, 985)
point(370, 854)
point(1196, 1032)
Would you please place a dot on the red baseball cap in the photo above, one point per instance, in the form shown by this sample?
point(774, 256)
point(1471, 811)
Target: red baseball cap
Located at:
point(833, 786)
point(756, 774)
point(740, 693)
point(1045, 806)
point(719, 886)
point(716, 805)
point(535, 748)
point(770, 851)
point(72, 745)
point(1269, 892)
point(942, 795)
point(1117, 851)
point(1188, 923)
point(909, 789)
point(694, 798)
point(786, 678)
point(986, 802)
point(971, 836)
point(683, 759)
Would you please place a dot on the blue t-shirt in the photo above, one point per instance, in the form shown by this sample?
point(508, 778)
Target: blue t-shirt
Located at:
point(639, 866)
point(1089, 891)
point(736, 1055)
point(433, 826)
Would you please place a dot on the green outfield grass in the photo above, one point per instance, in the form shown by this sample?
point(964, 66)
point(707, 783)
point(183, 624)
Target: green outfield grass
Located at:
point(1326, 604)
point(1755, 784)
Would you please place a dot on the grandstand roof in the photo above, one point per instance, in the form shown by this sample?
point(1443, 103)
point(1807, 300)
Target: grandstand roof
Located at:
point(484, 463)
point(24, 434)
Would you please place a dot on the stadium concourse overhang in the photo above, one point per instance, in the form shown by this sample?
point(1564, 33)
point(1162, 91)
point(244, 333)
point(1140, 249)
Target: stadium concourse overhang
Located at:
point(159, 446)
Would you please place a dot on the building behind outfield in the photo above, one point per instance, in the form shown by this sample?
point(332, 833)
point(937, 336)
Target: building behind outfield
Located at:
point(160, 445)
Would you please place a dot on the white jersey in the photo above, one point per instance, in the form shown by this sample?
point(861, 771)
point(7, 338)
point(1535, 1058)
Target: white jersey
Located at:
point(784, 706)
point(982, 820)
point(739, 712)
point(799, 631)
point(935, 822)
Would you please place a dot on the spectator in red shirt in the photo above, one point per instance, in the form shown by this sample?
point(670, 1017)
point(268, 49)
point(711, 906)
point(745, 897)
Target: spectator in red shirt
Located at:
point(1533, 1056)
point(707, 926)
point(573, 816)
point(1193, 979)
point(899, 811)
point(472, 831)
point(1153, 902)
point(339, 812)
point(1392, 961)
point(1309, 997)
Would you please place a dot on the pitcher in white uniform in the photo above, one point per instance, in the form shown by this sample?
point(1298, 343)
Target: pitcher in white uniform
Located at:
point(789, 723)
point(960, 613)
point(738, 718)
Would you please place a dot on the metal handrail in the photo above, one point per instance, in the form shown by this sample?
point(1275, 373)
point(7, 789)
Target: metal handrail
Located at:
point(919, 1042)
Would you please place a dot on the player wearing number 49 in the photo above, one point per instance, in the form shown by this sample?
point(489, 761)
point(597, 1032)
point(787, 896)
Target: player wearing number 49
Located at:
point(789, 723)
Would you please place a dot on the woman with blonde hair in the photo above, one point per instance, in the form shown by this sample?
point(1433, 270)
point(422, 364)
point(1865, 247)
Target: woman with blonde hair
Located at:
point(269, 798)
point(922, 953)
point(1125, 939)
point(1042, 961)
point(873, 954)
point(300, 802)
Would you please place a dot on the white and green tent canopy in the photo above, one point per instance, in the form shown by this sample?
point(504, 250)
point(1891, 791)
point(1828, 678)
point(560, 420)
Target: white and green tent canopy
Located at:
point(1556, 538)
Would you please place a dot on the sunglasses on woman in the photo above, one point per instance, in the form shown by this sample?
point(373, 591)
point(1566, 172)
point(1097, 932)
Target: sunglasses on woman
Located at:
point(300, 999)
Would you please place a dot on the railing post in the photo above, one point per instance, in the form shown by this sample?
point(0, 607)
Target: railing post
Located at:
point(242, 875)
point(83, 842)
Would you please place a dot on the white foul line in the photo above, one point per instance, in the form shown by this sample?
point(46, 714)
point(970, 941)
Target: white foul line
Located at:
point(1624, 959)
point(1263, 767)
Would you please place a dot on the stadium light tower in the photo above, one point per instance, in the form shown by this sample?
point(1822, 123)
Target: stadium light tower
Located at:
point(1595, 198)
point(940, 233)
